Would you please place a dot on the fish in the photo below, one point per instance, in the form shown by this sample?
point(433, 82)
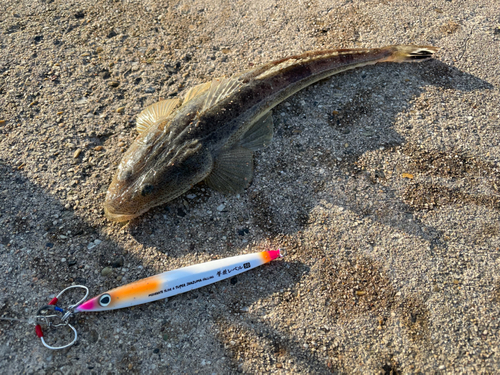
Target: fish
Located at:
point(212, 134)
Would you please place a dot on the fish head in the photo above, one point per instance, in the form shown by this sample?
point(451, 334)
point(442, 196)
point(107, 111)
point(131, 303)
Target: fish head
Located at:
point(154, 170)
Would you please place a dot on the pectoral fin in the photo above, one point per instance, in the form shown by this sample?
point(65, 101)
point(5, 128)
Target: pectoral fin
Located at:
point(260, 134)
point(232, 172)
point(151, 114)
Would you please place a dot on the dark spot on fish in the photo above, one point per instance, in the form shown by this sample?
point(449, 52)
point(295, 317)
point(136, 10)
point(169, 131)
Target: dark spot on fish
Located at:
point(147, 189)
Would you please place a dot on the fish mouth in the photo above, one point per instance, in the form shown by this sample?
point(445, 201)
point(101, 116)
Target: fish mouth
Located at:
point(118, 217)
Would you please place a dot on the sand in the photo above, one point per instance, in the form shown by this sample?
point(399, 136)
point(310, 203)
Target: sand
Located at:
point(381, 183)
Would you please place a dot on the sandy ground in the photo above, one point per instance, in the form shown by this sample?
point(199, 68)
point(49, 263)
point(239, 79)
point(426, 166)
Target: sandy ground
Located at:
point(382, 183)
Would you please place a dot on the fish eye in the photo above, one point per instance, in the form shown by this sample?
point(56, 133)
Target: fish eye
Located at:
point(105, 300)
point(147, 189)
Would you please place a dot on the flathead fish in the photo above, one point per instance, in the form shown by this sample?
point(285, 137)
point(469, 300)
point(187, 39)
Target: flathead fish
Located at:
point(212, 135)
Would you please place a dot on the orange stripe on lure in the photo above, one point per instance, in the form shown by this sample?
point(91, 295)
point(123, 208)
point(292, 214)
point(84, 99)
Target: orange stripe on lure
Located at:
point(175, 282)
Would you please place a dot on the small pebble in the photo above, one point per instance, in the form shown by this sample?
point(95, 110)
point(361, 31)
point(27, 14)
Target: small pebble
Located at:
point(91, 245)
point(98, 148)
point(106, 271)
point(93, 336)
point(113, 83)
point(63, 260)
point(120, 110)
point(150, 90)
point(77, 153)
point(221, 208)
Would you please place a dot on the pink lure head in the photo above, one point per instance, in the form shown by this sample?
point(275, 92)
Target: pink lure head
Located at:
point(93, 304)
point(275, 254)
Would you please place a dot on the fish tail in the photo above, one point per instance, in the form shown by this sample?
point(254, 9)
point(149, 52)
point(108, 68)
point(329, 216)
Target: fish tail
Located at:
point(410, 53)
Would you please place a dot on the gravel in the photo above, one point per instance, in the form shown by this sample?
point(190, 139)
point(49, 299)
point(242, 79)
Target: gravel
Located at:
point(381, 183)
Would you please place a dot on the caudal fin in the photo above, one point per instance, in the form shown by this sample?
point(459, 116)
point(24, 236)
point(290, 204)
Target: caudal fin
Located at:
point(410, 53)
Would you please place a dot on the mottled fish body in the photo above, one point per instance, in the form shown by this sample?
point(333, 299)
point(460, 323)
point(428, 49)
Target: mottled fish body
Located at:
point(212, 135)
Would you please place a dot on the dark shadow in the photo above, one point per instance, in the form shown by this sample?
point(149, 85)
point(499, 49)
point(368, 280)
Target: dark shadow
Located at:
point(33, 271)
point(313, 153)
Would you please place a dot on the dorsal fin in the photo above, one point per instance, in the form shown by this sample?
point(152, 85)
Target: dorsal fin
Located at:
point(195, 91)
point(220, 89)
point(151, 114)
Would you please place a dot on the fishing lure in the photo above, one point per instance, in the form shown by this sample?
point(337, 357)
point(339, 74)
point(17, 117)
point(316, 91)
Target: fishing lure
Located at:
point(151, 289)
